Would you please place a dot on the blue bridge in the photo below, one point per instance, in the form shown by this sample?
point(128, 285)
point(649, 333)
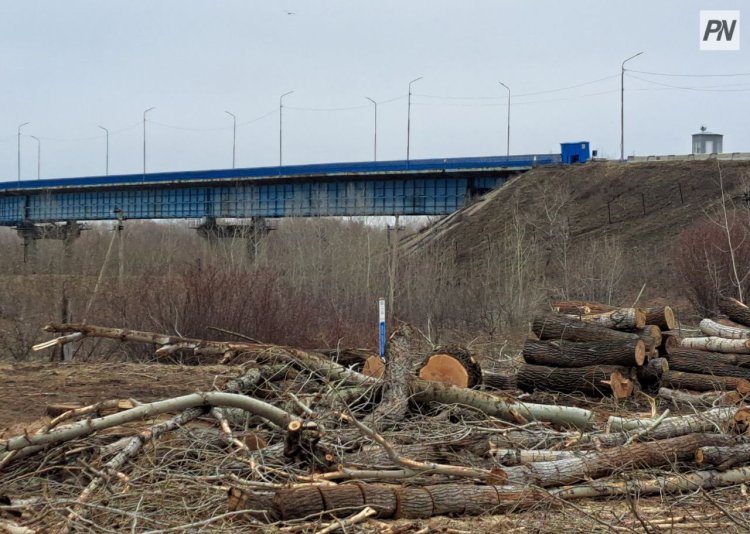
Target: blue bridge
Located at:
point(416, 187)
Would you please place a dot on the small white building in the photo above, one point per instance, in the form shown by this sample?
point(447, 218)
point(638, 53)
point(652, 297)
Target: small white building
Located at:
point(707, 142)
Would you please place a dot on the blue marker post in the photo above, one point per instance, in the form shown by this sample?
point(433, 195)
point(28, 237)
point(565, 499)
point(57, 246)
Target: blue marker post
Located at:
point(381, 319)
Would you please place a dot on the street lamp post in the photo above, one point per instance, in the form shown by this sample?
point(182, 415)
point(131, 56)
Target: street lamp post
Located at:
point(408, 118)
point(281, 138)
point(375, 142)
point(507, 147)
point(622, 105)
point(38, 157)
point(19, 148)
point(106, 164)
point(144, 141)
point(234, 135)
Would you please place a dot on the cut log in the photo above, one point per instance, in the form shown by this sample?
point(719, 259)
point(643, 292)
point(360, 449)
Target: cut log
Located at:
point(723, 457)
point(553, 326)
point(568, 306)
point(374, 367)
point(560, 353)
point(650, 375)
point(735, 310)
point(719, 358)
point(699, 382)
point(600, 380)
point(454, 365)
point(619, 319)
point(696, 361)
point(669, 342)
point(601, 463)
point(661, 316)
point(717, 344)
point(499, 381)
point(651, 336)
point(707, 399)
point(713, 328)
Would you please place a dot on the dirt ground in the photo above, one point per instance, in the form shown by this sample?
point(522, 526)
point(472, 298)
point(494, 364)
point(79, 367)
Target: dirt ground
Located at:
point(26, 389)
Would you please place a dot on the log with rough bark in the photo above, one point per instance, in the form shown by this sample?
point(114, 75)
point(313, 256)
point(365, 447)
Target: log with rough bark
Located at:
point(499, 381)
point(581, 354)
point(390, 501)
point(718, 358)
point(452, 364)
point(619, 319)
point(651, 336)
point(661, 316)
point(735, 310)
point(552, 326)
point(723, 457)
point(582, 307)
point(669, 342)
point(602, 463)
point(699, 382)
point(717, 344)
point(707, 399)
point(716, 329)
point(618, 428)
point(696, 361)
point(599, 380)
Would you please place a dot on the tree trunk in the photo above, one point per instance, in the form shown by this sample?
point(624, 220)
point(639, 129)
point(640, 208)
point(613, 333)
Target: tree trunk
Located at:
point(583, 307)
point(669, 342)
point(571, 354)
point(602, 463)
point(703, 400)
point(707, 421)
point(717, 344)
point(452, 364)
point(651, 336)
point(699, 382)
point(735, 310)
point(723, 457)
point(719, 358)
point(499, 381)
point(661, 316)
point(695, 361)
point(619, 319)
point(713, 328)
point(553, 326)
point(600, 380)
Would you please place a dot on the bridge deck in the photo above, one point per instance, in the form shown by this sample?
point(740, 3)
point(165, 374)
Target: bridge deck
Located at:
point(417, 187)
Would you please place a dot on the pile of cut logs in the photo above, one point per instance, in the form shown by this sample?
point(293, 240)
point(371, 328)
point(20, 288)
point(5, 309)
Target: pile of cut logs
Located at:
point(594, 349)
point(294, 438)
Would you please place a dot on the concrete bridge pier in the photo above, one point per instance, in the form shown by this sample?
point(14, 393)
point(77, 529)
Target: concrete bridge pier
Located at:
point(66, 232)
point(252, 231)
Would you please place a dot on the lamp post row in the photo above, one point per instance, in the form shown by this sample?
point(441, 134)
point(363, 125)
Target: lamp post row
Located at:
point(281, 126)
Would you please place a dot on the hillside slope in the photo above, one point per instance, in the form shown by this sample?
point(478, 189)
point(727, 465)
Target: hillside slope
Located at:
point(644, 206)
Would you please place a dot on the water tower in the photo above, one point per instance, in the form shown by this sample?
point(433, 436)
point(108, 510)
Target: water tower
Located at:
point(707, 142)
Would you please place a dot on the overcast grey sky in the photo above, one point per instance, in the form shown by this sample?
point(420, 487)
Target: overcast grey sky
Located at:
point(69, 66)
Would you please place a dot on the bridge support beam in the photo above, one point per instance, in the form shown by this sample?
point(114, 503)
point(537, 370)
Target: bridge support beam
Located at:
point(253, 231)
point(66, 232)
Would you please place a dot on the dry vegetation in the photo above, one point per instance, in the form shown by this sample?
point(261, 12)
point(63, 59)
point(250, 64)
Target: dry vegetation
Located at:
point(612, 234)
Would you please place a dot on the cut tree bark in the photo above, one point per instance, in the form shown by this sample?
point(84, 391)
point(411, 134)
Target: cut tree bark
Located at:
point(717, 344)
point(499, 381)
point(600, 380)
point(590, 307)
point(619, 319)
point(669, 342)
point(553, 326)
point(700, 382)
point(723, 457)
point(735, 310)
point(561, 353)
point(713, 328)
point(695, 361)
point(651, 336)
point(661, 316)
point(452, 364)
point(601, 463)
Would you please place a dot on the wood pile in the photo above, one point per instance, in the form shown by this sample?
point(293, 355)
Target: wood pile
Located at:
point(298, 441)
